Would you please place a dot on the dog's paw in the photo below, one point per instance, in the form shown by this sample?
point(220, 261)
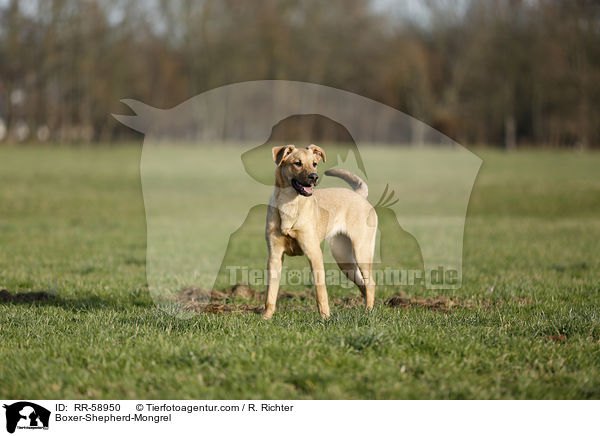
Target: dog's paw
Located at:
point(268, 314)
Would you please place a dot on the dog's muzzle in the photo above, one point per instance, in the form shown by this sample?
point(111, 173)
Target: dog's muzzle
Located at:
point(305, 190)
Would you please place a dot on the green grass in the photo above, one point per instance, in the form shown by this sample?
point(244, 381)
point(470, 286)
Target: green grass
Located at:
point(72, 223)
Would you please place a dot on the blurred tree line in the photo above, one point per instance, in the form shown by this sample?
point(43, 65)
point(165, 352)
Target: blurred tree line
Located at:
point(502, 72)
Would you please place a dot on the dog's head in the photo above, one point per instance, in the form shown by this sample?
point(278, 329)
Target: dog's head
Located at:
point(297, 167)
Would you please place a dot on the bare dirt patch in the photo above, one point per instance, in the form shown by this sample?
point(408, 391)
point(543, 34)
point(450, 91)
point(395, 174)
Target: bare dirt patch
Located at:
point(216, 301)
point(442, 303)
point(24, 297)
point(438, 304)
point(239, 299)
point(245, 299)
point(557, 338)
point(230, 308)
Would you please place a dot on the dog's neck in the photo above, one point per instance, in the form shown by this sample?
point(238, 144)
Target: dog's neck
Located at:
point(288, 195)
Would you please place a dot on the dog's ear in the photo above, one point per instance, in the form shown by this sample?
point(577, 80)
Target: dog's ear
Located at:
point(318, 151)
point(281, 152)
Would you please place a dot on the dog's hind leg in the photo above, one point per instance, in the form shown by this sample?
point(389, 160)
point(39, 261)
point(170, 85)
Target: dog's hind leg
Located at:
point(343, 253)
point(363, 251)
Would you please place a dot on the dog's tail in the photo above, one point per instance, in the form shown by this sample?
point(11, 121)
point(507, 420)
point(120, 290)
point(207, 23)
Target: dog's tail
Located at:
point(355, 182)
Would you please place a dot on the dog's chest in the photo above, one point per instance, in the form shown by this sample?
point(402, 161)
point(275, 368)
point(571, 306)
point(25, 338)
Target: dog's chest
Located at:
point(288, 212)
point(292, 213)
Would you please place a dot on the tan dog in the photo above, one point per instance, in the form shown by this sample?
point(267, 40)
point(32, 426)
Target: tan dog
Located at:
point(300, 217)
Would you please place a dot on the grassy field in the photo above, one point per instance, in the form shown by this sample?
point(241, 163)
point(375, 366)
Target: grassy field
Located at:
point(525, 324)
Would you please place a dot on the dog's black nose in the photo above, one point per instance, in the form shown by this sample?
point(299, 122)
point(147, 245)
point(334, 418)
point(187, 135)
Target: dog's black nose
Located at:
point(313, 177)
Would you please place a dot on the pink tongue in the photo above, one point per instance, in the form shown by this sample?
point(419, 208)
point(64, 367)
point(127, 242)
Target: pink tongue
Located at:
point(308, 189)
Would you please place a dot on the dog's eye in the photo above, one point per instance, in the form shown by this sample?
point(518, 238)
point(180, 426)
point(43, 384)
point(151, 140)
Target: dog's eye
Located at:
point(298, 163)
point(314, 164)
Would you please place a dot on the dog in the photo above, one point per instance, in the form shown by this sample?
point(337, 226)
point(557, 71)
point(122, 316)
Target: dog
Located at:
point(300, 217)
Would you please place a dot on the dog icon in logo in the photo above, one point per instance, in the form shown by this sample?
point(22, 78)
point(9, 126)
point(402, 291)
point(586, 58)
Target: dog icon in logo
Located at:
point(26, 415)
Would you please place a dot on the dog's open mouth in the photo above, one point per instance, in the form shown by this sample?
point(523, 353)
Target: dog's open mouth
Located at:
point(307, 191)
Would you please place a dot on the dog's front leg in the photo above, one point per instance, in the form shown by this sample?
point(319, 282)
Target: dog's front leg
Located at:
point(311, 247)
point(274, 274)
